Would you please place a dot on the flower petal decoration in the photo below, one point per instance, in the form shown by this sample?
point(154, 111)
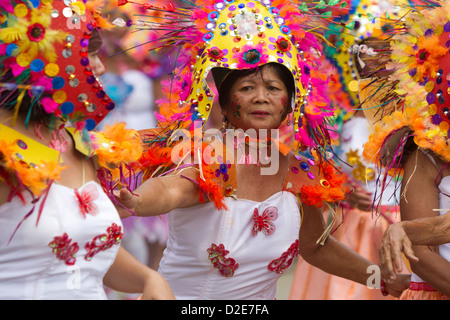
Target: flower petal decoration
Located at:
point(250, 56)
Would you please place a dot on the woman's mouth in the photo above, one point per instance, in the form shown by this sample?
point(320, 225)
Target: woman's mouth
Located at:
point(260, 113)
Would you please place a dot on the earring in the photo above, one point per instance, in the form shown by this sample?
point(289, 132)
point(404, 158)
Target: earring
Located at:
point(288, 122)
point(224, 122)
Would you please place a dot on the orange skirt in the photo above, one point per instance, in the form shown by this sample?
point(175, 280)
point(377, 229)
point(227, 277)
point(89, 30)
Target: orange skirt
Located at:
point(422, 291)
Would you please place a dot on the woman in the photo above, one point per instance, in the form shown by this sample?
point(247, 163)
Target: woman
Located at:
point(415, 140)
point(61, 233)
point(194, 224)
point(233, 228)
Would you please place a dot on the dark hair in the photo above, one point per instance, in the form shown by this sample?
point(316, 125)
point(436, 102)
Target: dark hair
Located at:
point(377, 44)
point(281, 71)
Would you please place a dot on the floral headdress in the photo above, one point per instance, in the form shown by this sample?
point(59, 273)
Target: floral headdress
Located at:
point(421, 59)
point(363, 19)
point(44, 47)
point(208, 35)
point(44, 56)
point(219, 36)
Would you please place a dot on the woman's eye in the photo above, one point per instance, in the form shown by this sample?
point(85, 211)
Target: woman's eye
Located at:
point(246, 88)
point(272, 88)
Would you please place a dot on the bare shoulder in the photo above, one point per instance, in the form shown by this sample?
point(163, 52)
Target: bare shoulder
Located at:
point(421, 165)
point(419, 193)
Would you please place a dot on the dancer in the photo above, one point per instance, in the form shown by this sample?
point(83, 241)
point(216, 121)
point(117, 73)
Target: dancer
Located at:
point(414, 139)
point(356, 64)
point(236, 226)
point(60, 233)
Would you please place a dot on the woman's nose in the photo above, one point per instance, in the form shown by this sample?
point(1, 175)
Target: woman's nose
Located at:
point(261, 94)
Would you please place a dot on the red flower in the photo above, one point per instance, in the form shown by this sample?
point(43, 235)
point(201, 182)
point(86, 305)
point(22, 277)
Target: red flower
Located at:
point(263, 222)
point(215, 53)
point(36, 32)
point(283, 44)
point(422, 56)
point(122, 2)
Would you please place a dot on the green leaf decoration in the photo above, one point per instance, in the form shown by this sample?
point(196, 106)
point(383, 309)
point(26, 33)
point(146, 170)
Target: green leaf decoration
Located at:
point(321, 5)
point(371, 16)
point(304, 7)
point(350, 25)
point(333, 2)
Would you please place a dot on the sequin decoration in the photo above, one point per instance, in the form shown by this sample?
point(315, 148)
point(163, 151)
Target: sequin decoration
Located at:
point(282, 263)
point(64, 249)
point(264, 222)
point(223, 171)
point(226, 266)
point(104, 241)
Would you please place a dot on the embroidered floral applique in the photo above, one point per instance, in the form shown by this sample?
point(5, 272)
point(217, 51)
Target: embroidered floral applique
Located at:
point(264, 222)
point(86, 198)
point(64, 249)
point(104, 241)
point(282, 263)
point(226, 266)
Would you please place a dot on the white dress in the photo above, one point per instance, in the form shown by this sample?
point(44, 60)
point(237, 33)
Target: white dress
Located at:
point(225, 255)
point(64, 256)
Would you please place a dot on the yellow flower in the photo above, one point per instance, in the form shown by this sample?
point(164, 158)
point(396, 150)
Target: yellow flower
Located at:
point(32, 33)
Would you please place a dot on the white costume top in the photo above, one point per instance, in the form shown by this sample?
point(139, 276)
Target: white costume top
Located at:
point(444, 203)
point(31, 268)
point(242, 262)
point(355, 133)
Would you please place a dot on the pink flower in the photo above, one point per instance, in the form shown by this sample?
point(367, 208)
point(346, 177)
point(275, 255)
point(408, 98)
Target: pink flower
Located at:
point(49, 105)
point(15, 68)
point(250, 56)
point(87, 197)
point(40, 79)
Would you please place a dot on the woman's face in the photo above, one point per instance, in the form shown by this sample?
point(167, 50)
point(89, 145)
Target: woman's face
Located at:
point(258, 101)
point(96, 64)
point(94, 46)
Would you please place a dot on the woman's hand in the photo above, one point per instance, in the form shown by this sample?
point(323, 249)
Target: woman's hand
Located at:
point(397, 286)
point(394, 242)
point(127, 203)
point(360, 199)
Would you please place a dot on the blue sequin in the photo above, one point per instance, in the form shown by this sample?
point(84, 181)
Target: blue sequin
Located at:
point(67, 107)
point(90, 124)
point(58, 83)
point(304, 166)
point(37, 65)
